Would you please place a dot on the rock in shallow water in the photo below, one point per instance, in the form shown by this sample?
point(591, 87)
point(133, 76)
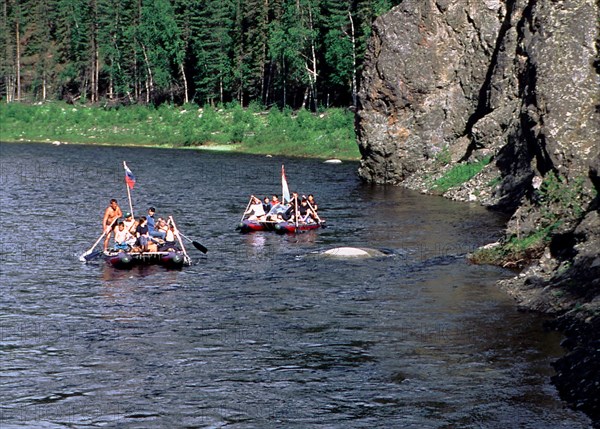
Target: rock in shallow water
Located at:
point(353, 252)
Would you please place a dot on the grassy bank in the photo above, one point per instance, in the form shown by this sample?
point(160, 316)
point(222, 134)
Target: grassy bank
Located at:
point(558, 205)
point(329, 134)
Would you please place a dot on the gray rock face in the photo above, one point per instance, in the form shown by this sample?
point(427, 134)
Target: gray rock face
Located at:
point(425, 66)
point(518, 80)
point(449, 82)
point(452, 81)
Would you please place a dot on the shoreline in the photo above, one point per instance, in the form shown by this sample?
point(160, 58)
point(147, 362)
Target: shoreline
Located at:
point(230, 148)
point(561, 286)
point(326, 135)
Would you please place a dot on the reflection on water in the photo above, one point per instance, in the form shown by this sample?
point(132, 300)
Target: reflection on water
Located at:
point(260, 331)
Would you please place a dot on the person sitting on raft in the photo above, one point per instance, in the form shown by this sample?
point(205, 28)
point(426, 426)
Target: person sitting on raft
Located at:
point(275, 214)
point(305, 214)
point(288, 215)
point(152, 225)
point(267, 205)
point(170, 243)
point(256, 210)
point(312, 203)
point(142, 234)
point(162, 227)
point(123, 238)
point(129, 223)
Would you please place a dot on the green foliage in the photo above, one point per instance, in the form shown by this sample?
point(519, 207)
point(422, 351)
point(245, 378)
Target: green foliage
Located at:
point(330, 134)
point(516, 251)
point(443, 157)
point(459, 174)
point(210, 120)
point(561, 199)
point(287, 52)
point(560, 203)
point(494, 182)
point(307, 134)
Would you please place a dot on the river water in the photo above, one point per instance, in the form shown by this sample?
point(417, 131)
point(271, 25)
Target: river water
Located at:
point(262, 331)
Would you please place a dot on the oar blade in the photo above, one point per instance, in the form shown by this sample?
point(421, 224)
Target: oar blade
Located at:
point(85, 256)
point(200, 247)
point(92, 256)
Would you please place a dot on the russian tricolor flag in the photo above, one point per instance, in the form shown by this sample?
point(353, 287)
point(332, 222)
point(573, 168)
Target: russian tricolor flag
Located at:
point(285, 192)
point(129, 177)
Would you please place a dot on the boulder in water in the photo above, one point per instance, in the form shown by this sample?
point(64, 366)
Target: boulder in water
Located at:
point(352, 252)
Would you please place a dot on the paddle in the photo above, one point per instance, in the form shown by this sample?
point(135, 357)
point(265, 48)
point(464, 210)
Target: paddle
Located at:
point(178, 235)
point(195, 243)
point(247, 207)
point(93, 255)
point(83, 258)
point(315, 212)
point(296, 212)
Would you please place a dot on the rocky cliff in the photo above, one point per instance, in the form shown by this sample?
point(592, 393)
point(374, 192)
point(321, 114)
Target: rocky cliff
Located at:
point(499, 102)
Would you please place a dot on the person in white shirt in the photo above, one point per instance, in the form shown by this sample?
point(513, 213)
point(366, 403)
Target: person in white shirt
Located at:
point(256, 210)
point(129, 223)
point(123, 238)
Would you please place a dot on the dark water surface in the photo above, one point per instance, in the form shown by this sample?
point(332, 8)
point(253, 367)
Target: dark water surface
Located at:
point(261, 332)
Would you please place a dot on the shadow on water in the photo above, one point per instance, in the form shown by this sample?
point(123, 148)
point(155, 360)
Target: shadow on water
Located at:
point(260, 331)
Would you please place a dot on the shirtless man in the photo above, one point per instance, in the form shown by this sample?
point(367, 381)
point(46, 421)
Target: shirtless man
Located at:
point(111, 214)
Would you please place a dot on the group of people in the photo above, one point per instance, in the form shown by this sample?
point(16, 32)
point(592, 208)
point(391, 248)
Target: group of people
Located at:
point(145, 234)
point(298, 209)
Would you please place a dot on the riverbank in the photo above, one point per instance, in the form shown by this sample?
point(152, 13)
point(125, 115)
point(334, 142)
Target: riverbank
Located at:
point(553, 238)
point(329, 134)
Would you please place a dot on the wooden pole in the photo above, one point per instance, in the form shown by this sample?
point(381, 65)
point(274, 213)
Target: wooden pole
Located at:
point(130, 205)
point(82, 257)
point(247, 207)
point(314, 211)
point(128, 192)
point(187, 258)
point(296, 211)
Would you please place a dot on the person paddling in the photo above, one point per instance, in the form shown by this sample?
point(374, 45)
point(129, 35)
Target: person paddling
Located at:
point(312, 203)
point(256, 210)
point(304, 211)
point(111, 214)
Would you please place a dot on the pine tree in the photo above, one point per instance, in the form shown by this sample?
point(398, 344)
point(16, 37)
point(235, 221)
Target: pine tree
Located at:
point(212, 49)
point(162, 48)
point(254, 36)
point(339, 48)
point(116, 41)
point(74, 48)
point(42, 49)
point(287, 52)
point(7, 52)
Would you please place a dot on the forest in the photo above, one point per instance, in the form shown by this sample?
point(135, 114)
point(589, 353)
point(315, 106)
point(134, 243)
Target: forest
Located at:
point(284, 53)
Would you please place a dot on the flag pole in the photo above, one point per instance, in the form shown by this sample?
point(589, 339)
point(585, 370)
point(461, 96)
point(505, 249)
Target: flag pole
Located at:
point(285, 192)
point(128, 193)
